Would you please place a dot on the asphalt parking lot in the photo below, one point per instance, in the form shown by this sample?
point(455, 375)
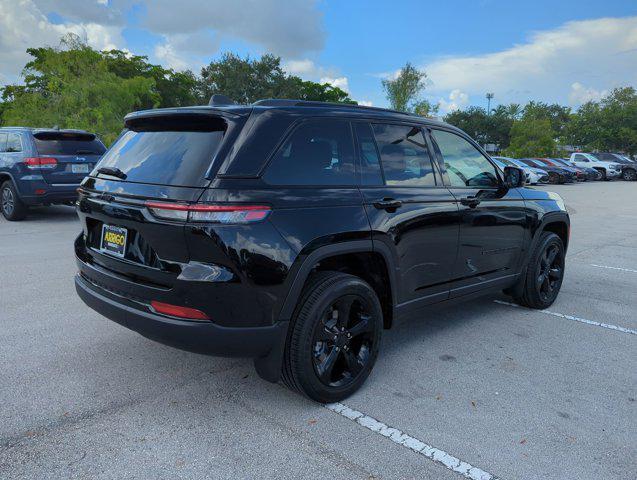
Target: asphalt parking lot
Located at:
point(511, 392)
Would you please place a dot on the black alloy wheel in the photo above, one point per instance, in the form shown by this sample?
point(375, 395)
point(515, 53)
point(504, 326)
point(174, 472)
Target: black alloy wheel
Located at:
point(551, 272)
point(544, 273)
point(334, 337)
point(343, 341)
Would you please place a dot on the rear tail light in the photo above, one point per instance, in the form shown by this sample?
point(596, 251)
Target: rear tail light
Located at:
point(43, 163)
point(177, 311)
point(227, 214)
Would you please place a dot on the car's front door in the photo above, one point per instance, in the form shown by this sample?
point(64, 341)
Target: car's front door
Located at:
point(492, 217)
point(412, 214)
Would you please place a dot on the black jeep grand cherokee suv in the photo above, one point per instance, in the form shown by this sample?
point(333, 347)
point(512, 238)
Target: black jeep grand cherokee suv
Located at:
point(294, 232)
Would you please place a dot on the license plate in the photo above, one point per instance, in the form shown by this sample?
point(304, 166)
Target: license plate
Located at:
point(114, 240)
point(79, 167)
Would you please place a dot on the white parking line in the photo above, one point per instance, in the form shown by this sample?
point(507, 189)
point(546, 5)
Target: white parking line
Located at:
point(615, 268)
point(576, 319)
point(396, 436)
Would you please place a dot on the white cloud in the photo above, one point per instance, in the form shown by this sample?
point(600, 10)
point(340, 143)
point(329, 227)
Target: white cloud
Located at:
point(456, 101)
point(340, 82)
point(365, 103)
point(601, 53)
point(580, 94)
point(24, 25)
point(284, 27)
point(302, 68)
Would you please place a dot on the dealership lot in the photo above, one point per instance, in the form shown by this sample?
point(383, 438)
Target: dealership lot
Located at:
point(511, 392)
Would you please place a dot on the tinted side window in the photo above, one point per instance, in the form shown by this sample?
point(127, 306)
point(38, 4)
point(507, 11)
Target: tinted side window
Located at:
point(3, 142)
point(368, 154)
point(404, 155)
point(465, 165)
point(319, 152)
point(580, 158)
point(13, 143)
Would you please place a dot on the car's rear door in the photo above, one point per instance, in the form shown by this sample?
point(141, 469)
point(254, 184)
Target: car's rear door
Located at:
point(492, 218)
point(66, 157)
point(412, 214)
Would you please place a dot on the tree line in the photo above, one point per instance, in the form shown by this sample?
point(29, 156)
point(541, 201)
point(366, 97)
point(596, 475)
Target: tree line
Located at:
point(76, 86)
point(536, 129)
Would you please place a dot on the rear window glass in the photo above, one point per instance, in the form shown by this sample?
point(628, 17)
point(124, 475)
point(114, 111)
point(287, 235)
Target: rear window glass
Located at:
point(159, 153)
point(61, 143)
point(319, 152)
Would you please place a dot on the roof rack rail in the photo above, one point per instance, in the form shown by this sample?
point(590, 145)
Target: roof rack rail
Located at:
point(282, 102)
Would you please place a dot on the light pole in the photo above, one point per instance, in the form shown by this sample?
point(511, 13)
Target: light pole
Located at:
point(489, 97)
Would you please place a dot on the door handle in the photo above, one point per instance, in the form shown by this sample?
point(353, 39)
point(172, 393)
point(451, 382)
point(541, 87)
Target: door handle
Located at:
point(388, 204)
point(471, 202)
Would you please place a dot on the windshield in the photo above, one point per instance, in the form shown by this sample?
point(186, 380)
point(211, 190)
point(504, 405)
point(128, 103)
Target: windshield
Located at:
point(66, 143)
point(162, 154)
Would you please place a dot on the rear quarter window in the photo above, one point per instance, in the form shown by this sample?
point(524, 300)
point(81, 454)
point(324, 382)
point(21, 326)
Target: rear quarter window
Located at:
point(318, 152)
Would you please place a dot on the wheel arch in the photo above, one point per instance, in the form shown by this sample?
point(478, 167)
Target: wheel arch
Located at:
point(269, 367)
point(348, 257)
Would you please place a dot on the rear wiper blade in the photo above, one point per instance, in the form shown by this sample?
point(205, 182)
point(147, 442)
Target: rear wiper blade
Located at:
point(112, 171)
point(91, 152)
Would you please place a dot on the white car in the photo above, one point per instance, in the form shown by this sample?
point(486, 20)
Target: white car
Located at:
point(607, 169)
point(533, 175)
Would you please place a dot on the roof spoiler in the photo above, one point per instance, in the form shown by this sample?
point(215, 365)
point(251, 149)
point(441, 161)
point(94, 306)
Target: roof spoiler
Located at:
point(219, 100)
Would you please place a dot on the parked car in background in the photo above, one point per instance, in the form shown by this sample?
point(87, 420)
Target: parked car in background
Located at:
point(533, 175)
point(591, 173)
point(608, 169)
point(43, 167)
point(556, 175)
point(578, 173)
point(294, 232)
point(629, 167)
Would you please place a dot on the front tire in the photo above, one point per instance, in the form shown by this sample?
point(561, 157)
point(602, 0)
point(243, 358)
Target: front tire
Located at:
point(334, 337)
point(544, 274)
point(10, 204)
point(629, 174)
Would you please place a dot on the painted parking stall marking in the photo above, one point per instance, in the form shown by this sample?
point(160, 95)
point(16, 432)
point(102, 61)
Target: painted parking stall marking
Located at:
point(397, 436)
point(614, 268)
point(576, 319)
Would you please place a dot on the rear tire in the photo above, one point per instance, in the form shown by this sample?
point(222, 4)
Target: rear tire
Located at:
point(334, 337)
point(629, 174)
point(544, 273)
point(13, 209)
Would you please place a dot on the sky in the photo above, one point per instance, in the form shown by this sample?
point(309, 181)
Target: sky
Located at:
point(561, 51)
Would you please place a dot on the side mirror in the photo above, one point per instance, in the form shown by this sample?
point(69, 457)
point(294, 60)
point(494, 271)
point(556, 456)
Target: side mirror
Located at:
point(514, 177)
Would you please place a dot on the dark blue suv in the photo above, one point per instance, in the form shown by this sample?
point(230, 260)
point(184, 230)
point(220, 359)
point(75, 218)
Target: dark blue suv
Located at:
point(43, 167)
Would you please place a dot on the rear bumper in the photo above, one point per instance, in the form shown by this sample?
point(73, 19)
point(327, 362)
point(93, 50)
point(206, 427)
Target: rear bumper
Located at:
point(194, 336)
point(53, 193)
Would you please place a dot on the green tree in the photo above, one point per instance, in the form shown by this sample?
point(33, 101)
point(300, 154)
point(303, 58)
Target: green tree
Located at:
point(174, 89)
point(494, 128)
point(607, 125)
point(247, 80)
point(531, 138)
point(72, 87)
point(404, 90)
point(425, 108)
point(557, 115)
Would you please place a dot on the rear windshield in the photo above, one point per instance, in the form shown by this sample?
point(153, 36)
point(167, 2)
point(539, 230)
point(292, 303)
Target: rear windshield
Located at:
point(63, 143)
point(167, 153)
